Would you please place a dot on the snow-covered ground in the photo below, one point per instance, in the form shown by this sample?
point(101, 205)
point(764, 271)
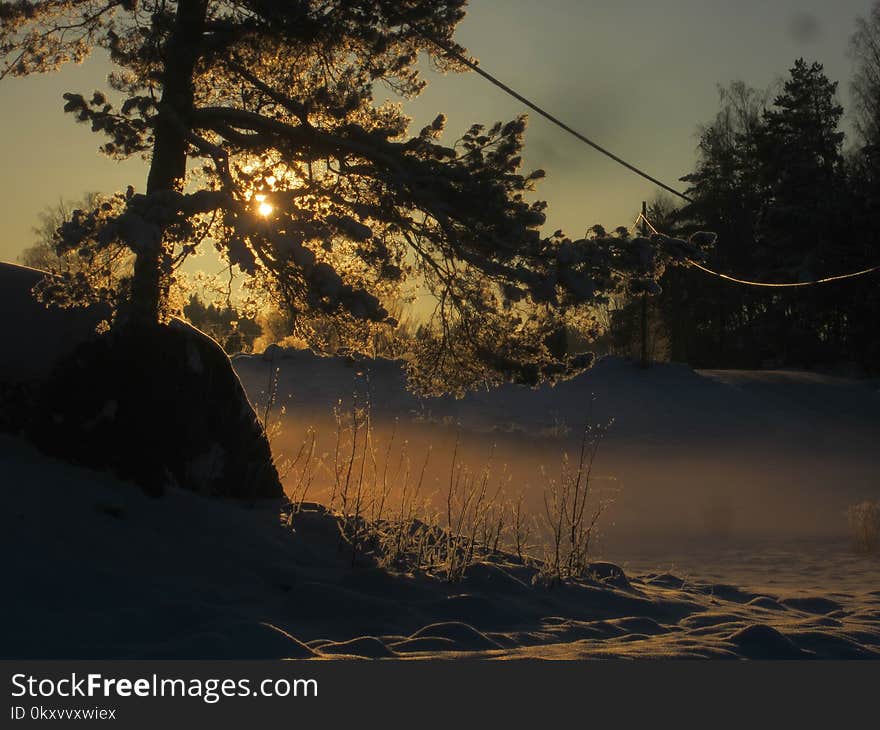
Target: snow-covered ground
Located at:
point(94, 569)
point(729, 495)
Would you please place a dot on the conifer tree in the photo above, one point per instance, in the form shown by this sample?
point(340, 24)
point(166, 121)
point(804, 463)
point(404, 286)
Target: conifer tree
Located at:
point(800, 151)
point(263, 133)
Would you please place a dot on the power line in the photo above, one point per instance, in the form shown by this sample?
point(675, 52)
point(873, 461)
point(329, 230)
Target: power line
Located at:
point(449, 50)
point(764, 284)
point(826, 280)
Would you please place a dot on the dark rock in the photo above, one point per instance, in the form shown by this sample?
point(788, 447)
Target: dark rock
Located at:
point(156, 405)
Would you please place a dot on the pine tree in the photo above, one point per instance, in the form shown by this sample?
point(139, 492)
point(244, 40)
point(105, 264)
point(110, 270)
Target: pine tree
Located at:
point(800, 150)
point(264, 136)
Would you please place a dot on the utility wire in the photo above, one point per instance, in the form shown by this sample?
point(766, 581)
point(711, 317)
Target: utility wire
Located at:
point(826, 280)
point(764, 284)
point(450, 51)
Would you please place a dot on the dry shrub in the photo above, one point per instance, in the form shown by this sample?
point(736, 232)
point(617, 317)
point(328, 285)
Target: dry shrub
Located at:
point(378, 493)
point(572, 512)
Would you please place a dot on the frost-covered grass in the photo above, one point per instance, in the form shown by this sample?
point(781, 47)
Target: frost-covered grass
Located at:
point(723, 457)
point(708, 454)
point(375, 485)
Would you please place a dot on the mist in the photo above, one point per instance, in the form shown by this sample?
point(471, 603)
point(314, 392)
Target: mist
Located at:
point(711, 458)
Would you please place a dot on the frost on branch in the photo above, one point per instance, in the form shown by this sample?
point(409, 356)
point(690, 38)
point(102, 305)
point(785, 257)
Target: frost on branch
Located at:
point(266, 142)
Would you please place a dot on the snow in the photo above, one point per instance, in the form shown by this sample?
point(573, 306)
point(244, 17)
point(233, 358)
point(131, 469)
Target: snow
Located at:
point(103, 571)
point(730, 490)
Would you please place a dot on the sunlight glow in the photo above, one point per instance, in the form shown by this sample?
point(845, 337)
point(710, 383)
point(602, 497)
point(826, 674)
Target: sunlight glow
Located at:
point(264, 208)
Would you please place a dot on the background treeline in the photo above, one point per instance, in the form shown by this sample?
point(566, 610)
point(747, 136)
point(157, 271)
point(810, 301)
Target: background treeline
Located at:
point(792, 199)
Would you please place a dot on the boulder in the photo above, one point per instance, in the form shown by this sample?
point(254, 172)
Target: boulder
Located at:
point(157, 405)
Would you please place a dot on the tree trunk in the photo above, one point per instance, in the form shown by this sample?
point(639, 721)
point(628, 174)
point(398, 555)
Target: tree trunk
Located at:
point(168, 167)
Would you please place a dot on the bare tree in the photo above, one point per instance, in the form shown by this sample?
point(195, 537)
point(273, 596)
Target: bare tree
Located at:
point(865, 51)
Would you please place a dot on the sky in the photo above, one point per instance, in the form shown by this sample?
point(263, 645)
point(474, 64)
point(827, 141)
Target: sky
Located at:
point(637, 76)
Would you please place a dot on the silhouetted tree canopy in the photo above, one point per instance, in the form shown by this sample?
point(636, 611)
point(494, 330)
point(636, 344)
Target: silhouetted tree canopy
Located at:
point(264, 137)
point(773, 180)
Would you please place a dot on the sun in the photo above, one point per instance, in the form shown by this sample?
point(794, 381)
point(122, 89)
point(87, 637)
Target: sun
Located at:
point(264, 208)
